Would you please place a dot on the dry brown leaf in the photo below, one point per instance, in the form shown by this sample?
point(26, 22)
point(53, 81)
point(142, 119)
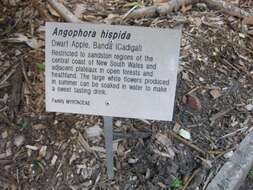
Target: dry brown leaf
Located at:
point(176, 127)
point(43, 151)
point(52, 11)
point(192, 101)
point(39, 126)
point(166, 142)
point(21, 38)
point(215, 93)
point(248, 20)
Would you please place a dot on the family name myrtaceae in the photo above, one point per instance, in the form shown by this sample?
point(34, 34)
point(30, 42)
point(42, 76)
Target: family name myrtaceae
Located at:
point(112, 35)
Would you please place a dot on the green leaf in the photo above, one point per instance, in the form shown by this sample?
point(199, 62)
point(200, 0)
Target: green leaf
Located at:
point(251, 173)
point(24, 125)
point(177, 183)
point(40, 66)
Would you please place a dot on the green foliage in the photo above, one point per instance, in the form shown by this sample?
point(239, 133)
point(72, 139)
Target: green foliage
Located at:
point(40, 66)
point(24, 124)
point(250, 174)
point(177, 183)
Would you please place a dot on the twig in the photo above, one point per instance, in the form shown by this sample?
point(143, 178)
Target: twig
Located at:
point(157, 10)
point(3, 85)
point(219, 115)
point(233, 133)
point(231, 65)
point(64, 12)
point(193, 90)
point(96, 181)
point(3, 109)
point(226, 8)
point(208, 179)
point(129, 12)
point(224, 152)
point(187, 143)
point(6, 120)
point(190, 179)
point(164, 154)
point(145, 121)
point(174, 5)
point(9, 74)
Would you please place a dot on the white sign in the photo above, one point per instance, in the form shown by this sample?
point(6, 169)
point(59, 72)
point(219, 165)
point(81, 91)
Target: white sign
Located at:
point(120, 71)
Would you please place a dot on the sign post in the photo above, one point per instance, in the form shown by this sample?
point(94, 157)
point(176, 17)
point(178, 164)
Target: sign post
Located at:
point(113, 71)
point(108, 130)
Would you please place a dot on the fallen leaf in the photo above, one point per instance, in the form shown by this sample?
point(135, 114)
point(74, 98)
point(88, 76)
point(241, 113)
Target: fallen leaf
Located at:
point(24, 125)
point(93, 131)
point(215, 93)
point(52, 11)
point(249, 107)
point(166, 142)
point(176, 127)
point(39, 126)
point(21, 38)
point(31, 147)
point(185, 134)
point(19, 140)
point(43, 151)
point(192, 101)
point(111, 18)
point(53, 161)
point(4, 135)
point(248, 20)
point(40, 66)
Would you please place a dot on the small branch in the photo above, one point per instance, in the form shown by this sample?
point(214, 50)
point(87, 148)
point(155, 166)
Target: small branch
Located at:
point(64, 12)
point(156, 10)
point(6, 120)
point(187, 143)
point(226, 8)
point(174, 5)
point(190, 179)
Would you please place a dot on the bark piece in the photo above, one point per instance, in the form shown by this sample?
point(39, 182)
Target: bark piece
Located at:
point(235, 170)
point(157, 10)
point(227, 8)
point(63, 11)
